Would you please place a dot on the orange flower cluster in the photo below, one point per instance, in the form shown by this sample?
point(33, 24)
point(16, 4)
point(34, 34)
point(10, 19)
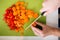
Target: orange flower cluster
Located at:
point(17, 15)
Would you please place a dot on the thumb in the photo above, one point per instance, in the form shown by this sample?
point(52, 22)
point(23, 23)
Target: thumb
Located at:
point(49, 11)
point(43, 10)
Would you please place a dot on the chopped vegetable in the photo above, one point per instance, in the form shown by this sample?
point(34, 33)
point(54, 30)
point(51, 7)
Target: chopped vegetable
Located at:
point(17, 15)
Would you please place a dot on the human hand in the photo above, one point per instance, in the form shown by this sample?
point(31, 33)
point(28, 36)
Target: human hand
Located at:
point(47, 30)
point(49, 6)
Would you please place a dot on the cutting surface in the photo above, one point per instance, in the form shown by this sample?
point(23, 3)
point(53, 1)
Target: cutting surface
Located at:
point(34, 5)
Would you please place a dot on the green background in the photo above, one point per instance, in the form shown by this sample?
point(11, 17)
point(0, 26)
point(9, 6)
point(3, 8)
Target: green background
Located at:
point(34, 5)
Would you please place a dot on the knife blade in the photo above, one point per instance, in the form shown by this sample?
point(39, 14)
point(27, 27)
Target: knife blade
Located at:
point(36, 20)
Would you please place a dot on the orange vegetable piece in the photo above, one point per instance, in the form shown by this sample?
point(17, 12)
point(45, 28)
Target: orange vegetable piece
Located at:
point(21, 21)
point(35, 15)
point(30, 16)
point(29, 13)
point(21, 17)
point(17, 7)
point(15, 13)
point(17, 30)
point(13, 8)
point(20, 3)
point(18, 12)
point(23, 11)
point(22, 7)
point(26, 20)
point(15, 22)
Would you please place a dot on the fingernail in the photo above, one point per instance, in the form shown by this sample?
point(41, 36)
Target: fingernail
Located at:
point(45, 14)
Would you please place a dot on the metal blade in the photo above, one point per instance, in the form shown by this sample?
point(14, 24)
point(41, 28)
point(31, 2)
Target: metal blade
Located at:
point(33, 22)
point(36, 19)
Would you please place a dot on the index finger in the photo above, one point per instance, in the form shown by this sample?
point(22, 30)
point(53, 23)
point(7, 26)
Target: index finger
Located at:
point(42, 25)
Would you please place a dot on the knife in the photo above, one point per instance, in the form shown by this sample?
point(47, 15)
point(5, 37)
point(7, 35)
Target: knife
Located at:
point(37, 26)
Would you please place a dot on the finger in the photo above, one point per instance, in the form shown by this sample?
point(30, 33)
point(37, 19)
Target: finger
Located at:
point(42, 25)
point(46, 13)
point(34, 24)
point(49, 11)
point(36, 33)
point(39, 31)
point(43, 9)
point(46, 7)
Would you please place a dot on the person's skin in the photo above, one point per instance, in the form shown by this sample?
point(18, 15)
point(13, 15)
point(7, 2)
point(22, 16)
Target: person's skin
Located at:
point(47, 30)
point(49, 6)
